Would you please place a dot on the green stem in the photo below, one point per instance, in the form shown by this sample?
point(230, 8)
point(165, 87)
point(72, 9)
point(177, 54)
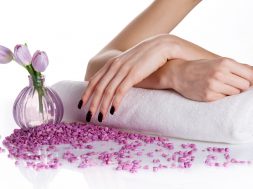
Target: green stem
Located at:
point(40, 94)
point(37, 84)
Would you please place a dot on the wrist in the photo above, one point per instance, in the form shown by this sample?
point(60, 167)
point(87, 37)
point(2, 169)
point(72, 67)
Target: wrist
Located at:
point(170, 45)
point(170, 73)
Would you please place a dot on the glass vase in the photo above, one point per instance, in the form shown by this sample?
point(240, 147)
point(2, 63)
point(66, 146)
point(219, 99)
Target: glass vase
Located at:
point(37, 104)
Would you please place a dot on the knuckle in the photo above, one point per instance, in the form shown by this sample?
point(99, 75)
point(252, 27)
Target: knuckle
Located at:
point(116, 103)
point(207, 96)
point(98, 89)
point(117, 61)
point(114, 59)
point(92, 106)
point(114, 65)
point(124, 69)
point(104, 106)
point(85, 95)
point(91, 84)
point(107, 92)
point(224, 61)
point(210, 83)
point(120, 90)
point(113, 68)
point(217, 75)
point(133, 70)
point(133, 76)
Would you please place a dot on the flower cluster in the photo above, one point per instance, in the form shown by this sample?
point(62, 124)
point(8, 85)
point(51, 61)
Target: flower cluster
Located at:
point(34, 64)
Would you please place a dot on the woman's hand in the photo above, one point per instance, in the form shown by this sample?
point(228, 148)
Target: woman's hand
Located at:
point(206, 80)
point(112, 81)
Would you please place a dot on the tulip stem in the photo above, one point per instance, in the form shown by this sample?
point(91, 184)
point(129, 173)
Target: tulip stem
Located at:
point(38, 85)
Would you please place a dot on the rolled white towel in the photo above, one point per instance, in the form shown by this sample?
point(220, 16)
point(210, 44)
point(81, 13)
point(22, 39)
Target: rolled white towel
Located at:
point(167, 113)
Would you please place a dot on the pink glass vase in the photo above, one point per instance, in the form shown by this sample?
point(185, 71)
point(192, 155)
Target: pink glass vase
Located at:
point(37, 104)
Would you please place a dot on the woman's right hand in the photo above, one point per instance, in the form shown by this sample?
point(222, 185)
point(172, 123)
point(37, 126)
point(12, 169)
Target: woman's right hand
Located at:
point(207, 80)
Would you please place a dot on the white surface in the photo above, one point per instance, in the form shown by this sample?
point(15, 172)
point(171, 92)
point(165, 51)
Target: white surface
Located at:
point(73, 31)
point(197, 177)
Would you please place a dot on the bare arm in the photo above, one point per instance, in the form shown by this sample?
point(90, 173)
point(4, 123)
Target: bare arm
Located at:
point(140, 53)
point(185, 50)
point(160, 17)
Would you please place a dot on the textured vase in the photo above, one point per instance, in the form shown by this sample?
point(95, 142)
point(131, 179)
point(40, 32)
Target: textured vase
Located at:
point(37, 104)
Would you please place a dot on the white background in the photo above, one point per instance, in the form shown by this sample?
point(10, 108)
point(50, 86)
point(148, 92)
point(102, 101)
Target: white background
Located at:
point(71, 32)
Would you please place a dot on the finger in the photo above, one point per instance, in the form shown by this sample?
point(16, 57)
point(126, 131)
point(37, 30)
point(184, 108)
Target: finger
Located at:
point(93, 82)
point(217, 96)
point(241, 70)
point(212, 96)
point(235, 81)
point(124, 86)
point(111, 88)
point(100, 87)
point(223, 88)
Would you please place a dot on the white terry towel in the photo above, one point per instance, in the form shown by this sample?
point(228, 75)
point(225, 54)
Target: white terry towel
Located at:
point(167, 113)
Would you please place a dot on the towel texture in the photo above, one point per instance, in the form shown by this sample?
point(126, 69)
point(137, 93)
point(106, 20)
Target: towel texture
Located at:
point(167, 113)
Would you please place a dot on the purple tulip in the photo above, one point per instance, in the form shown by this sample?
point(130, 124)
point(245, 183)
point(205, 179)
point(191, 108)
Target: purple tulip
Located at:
point(22, 55)
point(5, 55)
point(40, 61)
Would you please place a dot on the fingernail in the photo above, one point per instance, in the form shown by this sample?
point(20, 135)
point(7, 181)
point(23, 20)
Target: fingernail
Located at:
point(88, 116)
point(112, 110)
point(100, 117)
point(80, 104)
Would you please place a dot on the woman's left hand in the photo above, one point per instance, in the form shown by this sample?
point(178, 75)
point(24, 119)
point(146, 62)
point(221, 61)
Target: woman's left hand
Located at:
point(119, 74)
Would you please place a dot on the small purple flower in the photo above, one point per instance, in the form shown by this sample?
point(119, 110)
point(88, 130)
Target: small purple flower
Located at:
point(5, 55)
point(40, 61)
point(22, 55)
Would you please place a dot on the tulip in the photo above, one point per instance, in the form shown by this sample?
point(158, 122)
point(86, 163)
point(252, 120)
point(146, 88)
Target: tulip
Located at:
point(22, 55)
point(40, 61)
point(6, 55)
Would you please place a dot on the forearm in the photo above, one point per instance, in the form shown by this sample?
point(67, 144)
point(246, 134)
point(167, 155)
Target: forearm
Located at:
point(181, 49)
point(187, 50)
point(161, 16)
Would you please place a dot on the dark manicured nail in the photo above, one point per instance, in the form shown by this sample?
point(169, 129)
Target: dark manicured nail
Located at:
point(80, 104)
point(112, 110)
point(100, 117)
point(88, 116)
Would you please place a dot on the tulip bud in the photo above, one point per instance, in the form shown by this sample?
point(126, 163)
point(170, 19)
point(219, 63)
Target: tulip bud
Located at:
point(22, 55)
point(5, 55)
point(40, 61)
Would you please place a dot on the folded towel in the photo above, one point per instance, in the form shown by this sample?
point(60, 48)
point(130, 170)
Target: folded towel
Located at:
point(167, 113)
